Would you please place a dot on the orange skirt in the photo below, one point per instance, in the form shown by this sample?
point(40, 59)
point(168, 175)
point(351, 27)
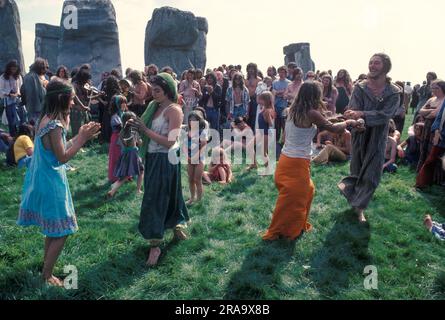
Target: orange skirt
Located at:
point(296, 191)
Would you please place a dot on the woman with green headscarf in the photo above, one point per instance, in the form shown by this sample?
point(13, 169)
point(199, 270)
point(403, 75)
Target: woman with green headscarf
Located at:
point(163, 205)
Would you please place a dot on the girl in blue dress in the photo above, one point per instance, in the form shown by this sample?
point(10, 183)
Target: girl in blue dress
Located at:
point(46, 198)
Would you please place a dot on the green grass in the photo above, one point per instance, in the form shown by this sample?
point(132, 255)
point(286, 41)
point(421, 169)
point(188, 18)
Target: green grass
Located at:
point(225, 257)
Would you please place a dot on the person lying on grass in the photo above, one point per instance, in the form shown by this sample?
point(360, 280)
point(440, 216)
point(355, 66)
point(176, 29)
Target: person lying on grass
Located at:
point(437, 229)
point(46, 198)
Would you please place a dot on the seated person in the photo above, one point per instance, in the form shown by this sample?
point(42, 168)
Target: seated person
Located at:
point(409, 150)
point(23, 146)
point(338, 149)
point(390, 152)
point(220, 169)
point(394, 133)
point(242, 139)
point(5, 141)
point(437, 229)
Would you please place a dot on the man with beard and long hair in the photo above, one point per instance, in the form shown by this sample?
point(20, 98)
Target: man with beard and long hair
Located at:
point(374, 100)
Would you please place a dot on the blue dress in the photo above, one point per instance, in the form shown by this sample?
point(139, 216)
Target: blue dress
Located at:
point(46, 197)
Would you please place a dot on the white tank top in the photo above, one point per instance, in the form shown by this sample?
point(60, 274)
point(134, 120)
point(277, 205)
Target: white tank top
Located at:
point(298, 141)
point(160, 126)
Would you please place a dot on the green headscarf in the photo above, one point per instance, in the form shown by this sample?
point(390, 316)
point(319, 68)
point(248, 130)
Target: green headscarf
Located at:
point(147, 116)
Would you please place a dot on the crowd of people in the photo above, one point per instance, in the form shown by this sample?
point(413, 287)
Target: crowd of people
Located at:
point(149, 117)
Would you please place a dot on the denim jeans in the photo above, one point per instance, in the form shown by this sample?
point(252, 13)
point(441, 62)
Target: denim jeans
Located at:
point(22, 113)
point(13, 118)
point(213, 117)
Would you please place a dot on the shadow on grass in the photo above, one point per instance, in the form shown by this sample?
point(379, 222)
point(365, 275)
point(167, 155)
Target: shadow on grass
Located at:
point(343, 254)
point(240, 184)
point(260, 271)
point(97, 282)
point(434, 196)
point(439, 285)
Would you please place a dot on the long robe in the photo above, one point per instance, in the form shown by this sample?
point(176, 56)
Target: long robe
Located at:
point(368, 147)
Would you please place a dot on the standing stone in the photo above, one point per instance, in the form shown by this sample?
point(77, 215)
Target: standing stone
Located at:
point(10, 34)
point(46, 44)
point(177, 39)
point(95, 40)
point(300, 53)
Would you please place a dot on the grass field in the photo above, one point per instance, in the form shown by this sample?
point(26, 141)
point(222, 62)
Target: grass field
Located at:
point(225, 257)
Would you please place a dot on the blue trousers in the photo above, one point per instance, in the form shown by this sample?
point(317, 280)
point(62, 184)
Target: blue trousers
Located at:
point(213, 117)
point(13, 118)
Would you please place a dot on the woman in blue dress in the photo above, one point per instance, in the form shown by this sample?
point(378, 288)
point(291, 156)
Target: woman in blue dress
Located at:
point(46, 198)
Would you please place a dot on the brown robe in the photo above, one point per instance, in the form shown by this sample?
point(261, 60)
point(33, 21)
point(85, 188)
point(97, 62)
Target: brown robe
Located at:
point(368, 147)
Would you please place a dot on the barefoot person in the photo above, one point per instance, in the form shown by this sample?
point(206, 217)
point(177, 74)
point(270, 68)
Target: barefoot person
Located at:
point(292, 177)
point(375, 100)
point(163, 205)
point(46, 197)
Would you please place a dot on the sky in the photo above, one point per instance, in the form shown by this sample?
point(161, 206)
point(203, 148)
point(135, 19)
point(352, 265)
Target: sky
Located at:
point(342, 33)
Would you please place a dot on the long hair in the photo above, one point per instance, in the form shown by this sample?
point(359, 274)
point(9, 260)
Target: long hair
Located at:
point(327, 92)
point(39, 66)
point(253, 66)
point(116, 103)
point(241, 82)
point(308, 98)
point(267, 97)
point(196, 116)
point(59, 94)
point(62, 68)
point(213, 77)
point(111, 87)
point(135, 76)
point(346, 79)
point(26, 130)
point(8, 72)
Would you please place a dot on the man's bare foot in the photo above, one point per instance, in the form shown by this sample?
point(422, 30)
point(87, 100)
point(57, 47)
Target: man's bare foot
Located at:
point(54, 281)
point(153, 257)
point(361, 217)
point(190, 201)
point(251, 167)
point(180, 234)
point(139, 192)
point(428, 222)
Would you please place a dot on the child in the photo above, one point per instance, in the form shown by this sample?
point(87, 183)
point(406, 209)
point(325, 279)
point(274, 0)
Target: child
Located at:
point(266, 120)
point(411, 154)
point(437, 229)
point(197, 136)
point(118, 106)
point(126, 88)
point(391, 151)
point(394, 133)
point(46, 198)
point(23, 146)
point(129, 164)
point(220, 169)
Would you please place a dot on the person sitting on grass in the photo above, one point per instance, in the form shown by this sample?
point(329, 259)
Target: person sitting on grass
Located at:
point(437, 229)
point(391, 151)
point(46, 198)
point(337, 149)
point(393, 132)
point(129, 164)
point(220, 169)
point(409, 150)
point(23, 146)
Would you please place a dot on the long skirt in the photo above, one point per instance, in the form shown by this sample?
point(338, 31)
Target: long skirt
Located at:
point(114, 154)
point(296, 191)
point(163, 205)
